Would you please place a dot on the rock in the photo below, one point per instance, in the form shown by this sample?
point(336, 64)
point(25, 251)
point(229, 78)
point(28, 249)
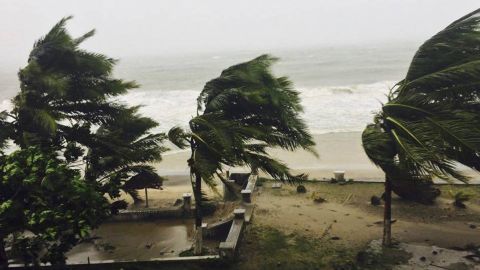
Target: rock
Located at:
point(473, 226)
point(335, 238)
point(301, 189)
point(375, 200)
point(434, 252)
point(381, 222)
point(423, 259)
point(473, 258)
point(459, 204)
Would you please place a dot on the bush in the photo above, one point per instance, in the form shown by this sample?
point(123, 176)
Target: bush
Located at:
point(301, 189)
point(460, 198)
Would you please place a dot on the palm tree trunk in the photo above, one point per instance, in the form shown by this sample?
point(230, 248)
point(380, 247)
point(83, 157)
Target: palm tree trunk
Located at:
point(198, 215)
point(387, 214)
point(146, 198)
point(3, 255)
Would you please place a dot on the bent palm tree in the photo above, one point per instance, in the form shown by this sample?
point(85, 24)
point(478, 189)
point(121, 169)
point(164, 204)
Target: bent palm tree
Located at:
point(431, 119)
point(239, 115)
point(125, 168)
point(65, 95)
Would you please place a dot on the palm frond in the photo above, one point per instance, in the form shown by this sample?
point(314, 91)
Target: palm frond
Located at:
point(178, 137)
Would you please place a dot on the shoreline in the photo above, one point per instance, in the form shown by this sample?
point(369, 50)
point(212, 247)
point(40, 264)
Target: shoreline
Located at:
point(337, 151)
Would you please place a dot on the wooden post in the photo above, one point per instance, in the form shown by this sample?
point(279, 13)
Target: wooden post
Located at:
point(146, 198)
point(198, 247)
point(387, 214)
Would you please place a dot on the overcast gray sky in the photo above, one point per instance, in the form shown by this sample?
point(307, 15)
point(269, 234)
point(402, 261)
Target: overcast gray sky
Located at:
point(157, 27)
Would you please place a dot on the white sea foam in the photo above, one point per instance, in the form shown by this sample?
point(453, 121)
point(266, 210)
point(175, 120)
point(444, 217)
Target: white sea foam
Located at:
point(5, 105)
point(327, 109)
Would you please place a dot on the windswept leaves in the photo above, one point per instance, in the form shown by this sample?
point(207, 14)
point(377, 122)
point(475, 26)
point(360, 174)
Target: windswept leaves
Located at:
point(241, 113)
point(432, 118)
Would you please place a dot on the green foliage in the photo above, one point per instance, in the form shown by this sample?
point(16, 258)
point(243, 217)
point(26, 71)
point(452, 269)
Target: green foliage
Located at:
point(269, 248)
point(66, 107)
point(431, 119)
point(460, 197)
point(240, 114)
point(120, 164)
point(41, 195)
point(65, 104)
point(64, 83)
point(301, 189)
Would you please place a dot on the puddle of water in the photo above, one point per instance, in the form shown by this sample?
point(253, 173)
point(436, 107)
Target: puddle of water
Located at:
point(140, 240)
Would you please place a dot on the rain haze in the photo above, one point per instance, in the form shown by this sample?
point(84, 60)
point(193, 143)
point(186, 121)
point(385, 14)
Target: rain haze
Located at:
point(184, 134)
point(342, 55)
point(131, 28)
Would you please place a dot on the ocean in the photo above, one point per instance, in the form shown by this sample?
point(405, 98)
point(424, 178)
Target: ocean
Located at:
point(341, 86)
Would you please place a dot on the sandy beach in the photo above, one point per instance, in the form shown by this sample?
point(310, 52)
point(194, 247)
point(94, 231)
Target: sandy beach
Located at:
point(337, 151)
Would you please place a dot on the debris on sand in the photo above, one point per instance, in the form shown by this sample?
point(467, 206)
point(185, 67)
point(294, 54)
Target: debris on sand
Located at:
point(375, 200)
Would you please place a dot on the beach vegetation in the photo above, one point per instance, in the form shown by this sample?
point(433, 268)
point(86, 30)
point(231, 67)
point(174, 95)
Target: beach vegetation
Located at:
point(67, 104)
point(68, 111)
point(239, 115)
point(301, 189)
point(430, 122)
point(460, 197)
point(46, 207)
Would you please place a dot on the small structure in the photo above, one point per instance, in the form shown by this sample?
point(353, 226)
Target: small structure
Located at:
point(339, 176)
point(228, 247)
point(277, 185)
point(187, 202)
point(229, 189)
point(246, 195)
point(240, 178)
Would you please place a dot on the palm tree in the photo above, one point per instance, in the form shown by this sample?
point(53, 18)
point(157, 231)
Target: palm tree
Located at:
point(66, 104)
point(239, 115)
point(126, 168)
point(431, 120)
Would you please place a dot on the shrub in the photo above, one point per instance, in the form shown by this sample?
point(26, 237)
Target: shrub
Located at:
point(301, 189)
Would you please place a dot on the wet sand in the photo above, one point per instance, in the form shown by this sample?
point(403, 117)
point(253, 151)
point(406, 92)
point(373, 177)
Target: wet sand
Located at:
point(348, 215)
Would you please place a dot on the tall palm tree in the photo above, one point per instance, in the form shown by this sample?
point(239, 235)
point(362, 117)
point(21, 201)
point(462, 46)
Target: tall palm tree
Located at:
point(432, 118)
point(239, 115)
point(66, 103)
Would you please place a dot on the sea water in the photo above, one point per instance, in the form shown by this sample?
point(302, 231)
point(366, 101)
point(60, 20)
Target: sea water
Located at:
point(341, 86)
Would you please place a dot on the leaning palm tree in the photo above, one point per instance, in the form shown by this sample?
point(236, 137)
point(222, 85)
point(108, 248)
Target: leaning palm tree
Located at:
point(127, 168)
point(432, 118)
point(66, 103)
point(239, 115)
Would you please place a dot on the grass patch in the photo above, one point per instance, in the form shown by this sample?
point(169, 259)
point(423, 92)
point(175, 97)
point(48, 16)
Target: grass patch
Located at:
point(269, 248)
